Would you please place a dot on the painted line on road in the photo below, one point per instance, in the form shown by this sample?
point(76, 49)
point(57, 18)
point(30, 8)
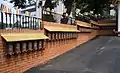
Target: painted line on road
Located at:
point(100, 50)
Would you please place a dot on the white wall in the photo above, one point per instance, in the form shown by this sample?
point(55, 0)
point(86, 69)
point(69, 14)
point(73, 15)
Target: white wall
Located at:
point(60, 9)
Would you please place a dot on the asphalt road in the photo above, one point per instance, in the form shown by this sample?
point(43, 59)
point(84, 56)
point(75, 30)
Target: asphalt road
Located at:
point(100, 55)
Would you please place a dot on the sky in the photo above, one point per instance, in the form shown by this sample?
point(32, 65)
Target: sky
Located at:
point(10, 5)
point(0, 4)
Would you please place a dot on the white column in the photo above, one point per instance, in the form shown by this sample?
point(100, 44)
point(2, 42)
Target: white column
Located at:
point(59, 10)
point(39, 10)
point(119, 18)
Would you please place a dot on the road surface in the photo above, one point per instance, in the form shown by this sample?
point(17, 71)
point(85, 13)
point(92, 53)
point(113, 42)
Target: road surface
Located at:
point(100, 55)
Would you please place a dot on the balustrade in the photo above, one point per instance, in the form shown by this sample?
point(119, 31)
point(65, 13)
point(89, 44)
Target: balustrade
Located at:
point(24, 46)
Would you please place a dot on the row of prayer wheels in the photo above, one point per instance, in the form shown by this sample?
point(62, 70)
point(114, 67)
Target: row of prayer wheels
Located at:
point(25, 46)
point(61, 36)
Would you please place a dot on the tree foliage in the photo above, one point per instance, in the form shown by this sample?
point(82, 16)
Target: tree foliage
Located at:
point(91, 5)
point(83, 5)
point(21, 3)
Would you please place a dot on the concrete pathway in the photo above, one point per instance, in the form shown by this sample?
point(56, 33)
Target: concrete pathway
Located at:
point(101, 55)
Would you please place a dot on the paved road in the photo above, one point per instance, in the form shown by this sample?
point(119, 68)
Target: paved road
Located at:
point(101, 55)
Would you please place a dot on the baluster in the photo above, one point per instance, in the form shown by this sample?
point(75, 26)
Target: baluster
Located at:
point(17, 21)
point(35, 45)
point(10, 20)
point(49, 35)
point(55, 38)
point(43, 44)
point(67, 36)
point(2, 26)
point(10, 49)
point(40, 45)
point(20, 21)
point(30, 46)
point(59, 36)
point(41, 25)
point(36, 23)
point(23, 21)
point(73, 35)
point(33, 22)
point(52, 36)
point(70, 35)
point(28, 22)
point(17, 48)
point(24, 47)
point(6, 25)
point(13, 22)
point(64, 36)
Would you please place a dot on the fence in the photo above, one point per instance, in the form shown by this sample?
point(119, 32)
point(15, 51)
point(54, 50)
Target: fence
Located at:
point(19, 21)
point(87, 18)
point(55, 17)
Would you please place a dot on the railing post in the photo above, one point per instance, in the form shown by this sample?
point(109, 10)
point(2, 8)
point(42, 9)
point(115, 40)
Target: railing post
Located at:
point(10, 19)
point(13, 21)
point(2, 27)
point(20, 21)
point(6, 20)
point(28, 22)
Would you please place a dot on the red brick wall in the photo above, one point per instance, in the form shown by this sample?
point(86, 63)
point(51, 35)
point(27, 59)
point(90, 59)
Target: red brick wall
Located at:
point(22, 62)
point(19, 31)
point(58, 25)
point(17, 63)
point(106, 21)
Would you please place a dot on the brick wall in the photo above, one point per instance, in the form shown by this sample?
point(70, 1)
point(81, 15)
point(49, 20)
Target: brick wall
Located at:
point(22, 62)
point(106, 21)
point(17, 63)
point(58, 25)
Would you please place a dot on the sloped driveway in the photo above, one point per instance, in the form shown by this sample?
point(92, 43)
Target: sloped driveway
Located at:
point(100, 55)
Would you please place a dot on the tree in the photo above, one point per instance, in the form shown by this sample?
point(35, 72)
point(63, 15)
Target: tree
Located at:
point(91, 5)
point(84, 5)
point(21, 3)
